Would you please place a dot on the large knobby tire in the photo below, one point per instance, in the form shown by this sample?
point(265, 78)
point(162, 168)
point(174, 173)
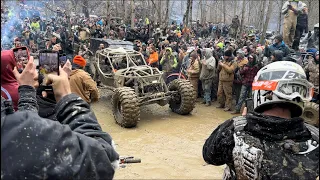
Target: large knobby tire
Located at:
point(184, 102)
point(311, 113)
point(125, 107)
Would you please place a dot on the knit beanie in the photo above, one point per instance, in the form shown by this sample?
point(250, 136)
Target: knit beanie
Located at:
point(79, 60)
point(279, 37)
point(228, 53)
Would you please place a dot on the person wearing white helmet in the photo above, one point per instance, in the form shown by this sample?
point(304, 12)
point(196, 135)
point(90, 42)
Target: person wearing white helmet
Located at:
point(271, 141)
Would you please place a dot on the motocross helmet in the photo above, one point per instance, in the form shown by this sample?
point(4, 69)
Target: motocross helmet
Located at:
point(281, 83)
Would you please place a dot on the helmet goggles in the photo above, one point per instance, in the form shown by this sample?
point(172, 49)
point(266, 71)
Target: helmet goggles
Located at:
point(287, 89)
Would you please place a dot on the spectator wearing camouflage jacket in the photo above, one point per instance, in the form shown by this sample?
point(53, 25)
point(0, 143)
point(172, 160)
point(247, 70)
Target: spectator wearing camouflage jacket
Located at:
point(313, 69)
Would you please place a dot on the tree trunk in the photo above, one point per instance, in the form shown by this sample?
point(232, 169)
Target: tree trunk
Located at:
point(201, 11)
point(186, 14)
point(262, 15)
point(224, 11)
point(265, 25)
point(242, 16)
point(280, 16)
point(85, 8)
point(125, 11)
point(132, 13)
point(250, 12)
point(235, 7)
point(190, 17)
point(205, 11)
point(166, 20)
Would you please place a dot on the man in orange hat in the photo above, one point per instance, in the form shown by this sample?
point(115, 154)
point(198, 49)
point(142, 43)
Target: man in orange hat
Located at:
point(81, 82)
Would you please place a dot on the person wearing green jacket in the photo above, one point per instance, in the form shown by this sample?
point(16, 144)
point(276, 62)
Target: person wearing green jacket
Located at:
point(35, 25)
point(168, 62)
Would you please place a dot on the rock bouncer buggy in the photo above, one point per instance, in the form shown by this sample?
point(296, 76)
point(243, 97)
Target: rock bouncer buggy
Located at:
point(135, 84)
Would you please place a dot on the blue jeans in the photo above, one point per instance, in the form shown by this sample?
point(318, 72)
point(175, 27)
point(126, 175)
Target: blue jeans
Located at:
point(206, 87)
point(244, 94)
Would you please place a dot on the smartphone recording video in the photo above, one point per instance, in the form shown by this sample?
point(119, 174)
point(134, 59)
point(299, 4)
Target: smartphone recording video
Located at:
point(62, 60)
point(249, 105)
point(48, 63)
point(21, 56)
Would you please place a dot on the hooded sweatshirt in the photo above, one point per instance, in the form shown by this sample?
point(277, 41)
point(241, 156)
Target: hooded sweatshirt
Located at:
point(8, 80)
point(168, 62)
point(208, 71)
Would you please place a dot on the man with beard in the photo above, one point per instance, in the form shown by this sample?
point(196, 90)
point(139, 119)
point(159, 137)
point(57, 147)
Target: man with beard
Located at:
point(226, 76)
point(207, 74)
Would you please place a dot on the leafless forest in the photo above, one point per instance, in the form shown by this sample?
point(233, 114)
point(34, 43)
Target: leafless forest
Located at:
point(262, 14)
point(250, 12)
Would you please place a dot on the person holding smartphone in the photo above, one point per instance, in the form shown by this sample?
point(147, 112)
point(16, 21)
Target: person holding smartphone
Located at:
point(73, 147)
point(8, 80)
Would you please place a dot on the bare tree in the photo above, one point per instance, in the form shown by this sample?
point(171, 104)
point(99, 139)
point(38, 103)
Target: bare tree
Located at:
point(190, 19)
point(167, 13)
point(280, 15)
point(132, 13)
point(262, 11)
point(265, 25)
point(242, 16)
point(235, 7)
point(85, 10)
point(224, 11)
point(186, 14)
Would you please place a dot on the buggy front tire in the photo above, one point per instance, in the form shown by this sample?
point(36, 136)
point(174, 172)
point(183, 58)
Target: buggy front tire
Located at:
point(182, 103)
point(125, 107)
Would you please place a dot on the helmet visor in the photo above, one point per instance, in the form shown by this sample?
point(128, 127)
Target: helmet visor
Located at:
point(287, 89)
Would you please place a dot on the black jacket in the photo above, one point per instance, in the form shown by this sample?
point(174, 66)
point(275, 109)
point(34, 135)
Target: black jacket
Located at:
point(36, 148)
point(47, 108)
point(271, 132)
point(302, 21)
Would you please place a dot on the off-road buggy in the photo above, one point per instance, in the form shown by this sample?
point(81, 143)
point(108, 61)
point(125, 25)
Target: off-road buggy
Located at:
point(135, 84)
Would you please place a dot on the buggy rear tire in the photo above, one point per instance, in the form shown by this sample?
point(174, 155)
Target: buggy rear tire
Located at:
point(311, 113)
point(184, 102)
point(125, 107)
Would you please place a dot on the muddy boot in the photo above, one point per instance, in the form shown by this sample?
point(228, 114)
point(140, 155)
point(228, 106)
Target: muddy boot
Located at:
point(220, 106)
point(235, 112)
point(227, 109)
point(208, 103)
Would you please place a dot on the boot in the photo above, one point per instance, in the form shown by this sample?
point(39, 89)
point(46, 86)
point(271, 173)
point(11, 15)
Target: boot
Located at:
point(220, 106)
point(227, 109)
point(208, 103)
point(235, 112)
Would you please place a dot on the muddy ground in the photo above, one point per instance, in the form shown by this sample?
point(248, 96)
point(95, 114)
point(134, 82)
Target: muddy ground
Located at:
point(169, 145)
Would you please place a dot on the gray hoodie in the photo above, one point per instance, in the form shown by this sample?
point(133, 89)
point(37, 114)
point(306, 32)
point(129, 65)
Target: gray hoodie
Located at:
point(208, 71)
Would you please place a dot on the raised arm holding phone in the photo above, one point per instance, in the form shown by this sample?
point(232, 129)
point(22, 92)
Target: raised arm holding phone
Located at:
point(33, 147)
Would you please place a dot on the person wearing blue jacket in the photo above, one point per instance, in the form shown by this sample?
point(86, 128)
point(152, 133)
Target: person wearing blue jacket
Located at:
point(277, 45)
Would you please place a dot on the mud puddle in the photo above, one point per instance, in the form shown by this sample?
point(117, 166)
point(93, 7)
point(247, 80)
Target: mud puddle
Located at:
point(169, 145)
